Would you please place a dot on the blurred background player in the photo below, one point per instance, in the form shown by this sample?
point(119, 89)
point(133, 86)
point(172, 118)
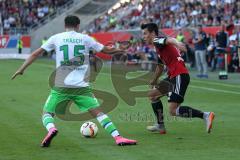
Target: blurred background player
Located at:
point(168, 50)
point(69, 45)
point(221, 44)
point(200, 47)
point(44, 40)
point(19, 44)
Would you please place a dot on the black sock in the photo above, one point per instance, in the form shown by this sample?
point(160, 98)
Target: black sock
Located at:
point(188, 112)
point(158, 110)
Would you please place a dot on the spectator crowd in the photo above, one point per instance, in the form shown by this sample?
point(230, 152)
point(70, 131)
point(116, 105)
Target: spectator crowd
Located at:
point(20, 14)
point(205, 50)
point(169, 14)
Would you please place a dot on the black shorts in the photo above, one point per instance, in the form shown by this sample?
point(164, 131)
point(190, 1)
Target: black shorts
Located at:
point(180, 84)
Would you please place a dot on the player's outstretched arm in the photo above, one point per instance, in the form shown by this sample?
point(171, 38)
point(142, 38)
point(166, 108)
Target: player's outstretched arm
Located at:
point(28, 62)
point(181, 46)
point(111, 50)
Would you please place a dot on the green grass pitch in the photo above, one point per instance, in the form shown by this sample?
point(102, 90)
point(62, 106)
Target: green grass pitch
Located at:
point(21, 130)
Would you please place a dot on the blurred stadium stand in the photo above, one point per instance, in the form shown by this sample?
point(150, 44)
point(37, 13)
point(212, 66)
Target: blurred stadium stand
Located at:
point(87, 10)
point(39, 19)
point(52, 21)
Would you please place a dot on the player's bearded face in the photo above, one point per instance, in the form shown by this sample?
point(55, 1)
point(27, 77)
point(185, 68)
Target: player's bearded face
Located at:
point(148, 36)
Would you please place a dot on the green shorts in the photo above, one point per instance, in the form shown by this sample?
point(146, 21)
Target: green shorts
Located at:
point(60, 99)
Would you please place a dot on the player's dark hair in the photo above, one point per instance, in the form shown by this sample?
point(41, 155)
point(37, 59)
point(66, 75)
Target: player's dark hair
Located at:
point(151, 27)
point(71, 21)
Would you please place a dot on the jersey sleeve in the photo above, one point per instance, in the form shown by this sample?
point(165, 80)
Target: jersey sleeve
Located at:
point(160, 42)
point(92, 43)
point(49, 44)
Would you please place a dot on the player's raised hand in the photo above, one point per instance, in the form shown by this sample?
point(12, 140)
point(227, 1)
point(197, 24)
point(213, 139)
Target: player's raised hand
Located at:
point(28, 62)
point(112, 50)
point(181, 46)
point(19, 72)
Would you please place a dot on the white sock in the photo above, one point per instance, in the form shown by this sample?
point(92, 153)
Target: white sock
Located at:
point(177, 111)
point(107, 124)
point(115, 133)
point(205, 115)
point(49, 126)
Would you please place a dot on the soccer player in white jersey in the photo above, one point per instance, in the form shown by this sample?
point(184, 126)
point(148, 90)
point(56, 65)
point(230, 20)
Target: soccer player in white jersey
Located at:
point(70, 45)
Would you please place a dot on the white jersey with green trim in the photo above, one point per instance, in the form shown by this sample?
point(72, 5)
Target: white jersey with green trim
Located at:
point(72, 57)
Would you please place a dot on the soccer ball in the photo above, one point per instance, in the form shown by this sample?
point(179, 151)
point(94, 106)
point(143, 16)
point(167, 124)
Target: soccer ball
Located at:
point(89, 130)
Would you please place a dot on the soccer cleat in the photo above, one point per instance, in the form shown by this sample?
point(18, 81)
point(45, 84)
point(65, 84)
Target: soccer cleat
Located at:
point(209, 121)
point(121, 141)
point(157, 128)
point(47, 140)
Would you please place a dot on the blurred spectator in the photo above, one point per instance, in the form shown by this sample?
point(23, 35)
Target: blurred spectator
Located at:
point(131, 53)
point(221, 45)
point(189, 57)
point(233, 66)
point(235, 35)
point(234, 63)
point(200, 53)
point(212, 58)
point(1, 25)
point(44, 40)
point(180, 36)
point(222, 38)
point(19, 45)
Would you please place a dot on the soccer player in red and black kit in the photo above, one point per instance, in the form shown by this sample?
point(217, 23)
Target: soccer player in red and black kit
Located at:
point(168, 51)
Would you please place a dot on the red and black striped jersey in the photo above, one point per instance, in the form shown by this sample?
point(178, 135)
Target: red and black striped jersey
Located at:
point(170, 56)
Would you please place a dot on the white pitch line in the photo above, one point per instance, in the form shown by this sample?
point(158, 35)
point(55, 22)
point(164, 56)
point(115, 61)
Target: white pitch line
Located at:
point(216, 83)
point(192, 86)
point(215, 90)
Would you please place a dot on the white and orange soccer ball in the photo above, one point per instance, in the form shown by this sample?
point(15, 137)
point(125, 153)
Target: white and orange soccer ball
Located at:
point(89, 129)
